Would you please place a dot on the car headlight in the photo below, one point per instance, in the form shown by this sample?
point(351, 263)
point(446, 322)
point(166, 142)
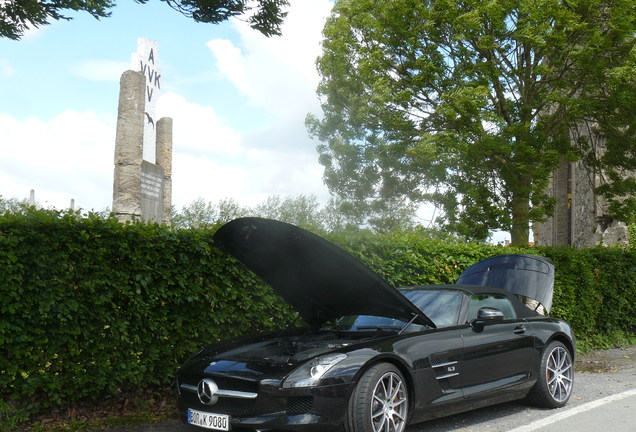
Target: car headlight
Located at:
point(311, 372)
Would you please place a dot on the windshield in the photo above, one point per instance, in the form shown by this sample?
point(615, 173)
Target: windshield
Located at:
point(441, 306)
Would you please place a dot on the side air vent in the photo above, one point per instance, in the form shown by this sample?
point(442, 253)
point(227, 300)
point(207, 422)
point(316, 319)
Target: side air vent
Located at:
point(444, 371)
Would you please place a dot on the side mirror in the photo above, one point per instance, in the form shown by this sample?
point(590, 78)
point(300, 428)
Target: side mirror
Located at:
point(489, 314)
point(486, 315)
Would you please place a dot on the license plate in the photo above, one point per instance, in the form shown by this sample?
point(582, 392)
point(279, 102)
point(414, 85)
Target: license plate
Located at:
point(209, 420)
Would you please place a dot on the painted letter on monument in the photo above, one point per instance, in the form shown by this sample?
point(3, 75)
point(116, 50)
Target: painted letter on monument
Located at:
point(145, 61)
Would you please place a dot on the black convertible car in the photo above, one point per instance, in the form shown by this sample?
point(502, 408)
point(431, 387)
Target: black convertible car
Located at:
point(373, 358)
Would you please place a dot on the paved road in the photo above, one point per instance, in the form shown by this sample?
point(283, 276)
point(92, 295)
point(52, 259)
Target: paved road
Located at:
point(613, 413)
point(517, 417)
point(600, 402)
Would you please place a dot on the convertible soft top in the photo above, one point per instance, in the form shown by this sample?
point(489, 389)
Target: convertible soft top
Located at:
point(524, 275)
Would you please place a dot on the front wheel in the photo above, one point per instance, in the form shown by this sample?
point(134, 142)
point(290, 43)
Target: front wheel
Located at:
point(556, 377)
point(379, 402)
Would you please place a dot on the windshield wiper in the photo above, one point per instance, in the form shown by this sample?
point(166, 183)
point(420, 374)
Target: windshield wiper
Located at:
point(372, 327)
point(333, 327)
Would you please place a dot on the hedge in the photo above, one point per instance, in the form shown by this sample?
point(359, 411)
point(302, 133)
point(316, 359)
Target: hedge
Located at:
point(90, 307)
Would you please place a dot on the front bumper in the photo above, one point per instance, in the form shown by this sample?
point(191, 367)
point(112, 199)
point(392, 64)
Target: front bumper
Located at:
point(319, 408)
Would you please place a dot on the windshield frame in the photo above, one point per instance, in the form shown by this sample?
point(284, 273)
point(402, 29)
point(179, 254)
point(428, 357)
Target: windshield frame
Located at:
point(360, 323)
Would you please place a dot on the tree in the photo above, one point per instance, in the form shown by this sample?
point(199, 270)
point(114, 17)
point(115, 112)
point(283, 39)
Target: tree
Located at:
point(203, 214)
point(301, 210)
point(471, 104)
point(381, 216)
point(16, 16)
point(12, 205)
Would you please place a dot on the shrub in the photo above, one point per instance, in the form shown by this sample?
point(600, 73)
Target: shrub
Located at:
point(90, 307)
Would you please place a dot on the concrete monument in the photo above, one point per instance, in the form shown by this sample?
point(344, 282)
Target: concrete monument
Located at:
point(142, 186)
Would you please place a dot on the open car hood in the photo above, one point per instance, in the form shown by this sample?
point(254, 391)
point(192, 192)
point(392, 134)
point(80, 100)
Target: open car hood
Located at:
point(320, 280)
point(526, 275)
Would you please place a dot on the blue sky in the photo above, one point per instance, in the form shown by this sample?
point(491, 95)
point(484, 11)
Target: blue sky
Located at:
point(238, 101)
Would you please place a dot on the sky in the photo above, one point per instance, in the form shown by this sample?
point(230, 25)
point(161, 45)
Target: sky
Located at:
point(238, 101)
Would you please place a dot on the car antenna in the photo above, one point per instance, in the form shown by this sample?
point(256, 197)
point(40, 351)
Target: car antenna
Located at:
point(408, 323)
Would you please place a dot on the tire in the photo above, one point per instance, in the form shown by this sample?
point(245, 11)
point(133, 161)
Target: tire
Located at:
point(379, 402)
point(556, 377)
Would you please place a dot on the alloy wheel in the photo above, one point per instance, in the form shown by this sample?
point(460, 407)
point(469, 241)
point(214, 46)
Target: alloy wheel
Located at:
point(389, 405)
point(559, 374)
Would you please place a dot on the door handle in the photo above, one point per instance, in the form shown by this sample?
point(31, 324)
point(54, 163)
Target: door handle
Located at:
point(520, 329)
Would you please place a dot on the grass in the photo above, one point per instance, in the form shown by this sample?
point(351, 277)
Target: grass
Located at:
point(127, 410)
point(618, 339)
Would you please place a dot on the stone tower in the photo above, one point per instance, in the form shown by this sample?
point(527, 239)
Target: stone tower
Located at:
point(142, 188)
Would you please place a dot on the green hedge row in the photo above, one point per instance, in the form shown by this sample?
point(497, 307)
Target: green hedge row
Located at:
point(90, 307)
point(595, 288)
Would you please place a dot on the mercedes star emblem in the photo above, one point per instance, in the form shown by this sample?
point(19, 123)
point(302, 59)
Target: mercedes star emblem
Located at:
point(206, 391)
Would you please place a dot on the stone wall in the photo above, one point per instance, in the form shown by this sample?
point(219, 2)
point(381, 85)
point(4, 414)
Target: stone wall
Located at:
point(580, 216)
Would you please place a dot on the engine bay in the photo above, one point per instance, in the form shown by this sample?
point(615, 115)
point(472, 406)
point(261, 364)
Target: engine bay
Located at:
point(293, 349)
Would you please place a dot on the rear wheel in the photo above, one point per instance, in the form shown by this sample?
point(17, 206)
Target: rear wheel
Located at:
point(556, 377)
point(379, 402)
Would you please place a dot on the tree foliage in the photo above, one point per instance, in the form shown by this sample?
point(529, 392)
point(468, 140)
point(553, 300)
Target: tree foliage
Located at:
point(16, 16)
point(301, 210)
point(12, 205)
point(204, 214)
point(472, 104)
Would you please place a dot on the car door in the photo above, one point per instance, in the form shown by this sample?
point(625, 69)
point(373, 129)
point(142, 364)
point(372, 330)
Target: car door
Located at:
point(496, 354)
point(435, 353)
point(436, 362)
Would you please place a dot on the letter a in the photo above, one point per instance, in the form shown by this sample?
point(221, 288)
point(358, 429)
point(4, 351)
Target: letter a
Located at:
point(151, 57)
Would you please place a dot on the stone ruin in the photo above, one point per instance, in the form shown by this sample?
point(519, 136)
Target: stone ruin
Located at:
point(142, 188)
point(581, 218)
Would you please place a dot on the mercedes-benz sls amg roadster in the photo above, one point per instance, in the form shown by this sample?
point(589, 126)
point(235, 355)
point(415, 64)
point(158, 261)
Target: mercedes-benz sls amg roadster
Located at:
point(373, 358)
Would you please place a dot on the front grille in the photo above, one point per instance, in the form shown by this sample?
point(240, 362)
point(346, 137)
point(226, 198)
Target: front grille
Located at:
point(235, 407)
point(299, 405)
point(224, 383)
point(225, 405)
point(235, 384)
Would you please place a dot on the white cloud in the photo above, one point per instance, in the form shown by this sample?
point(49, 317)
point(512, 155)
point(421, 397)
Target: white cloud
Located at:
point(198, 130)
point(5, 68)
point(204, 177)
point(286, 173)
point(100, 70)
point(231, 63)
point(278, 73)
point(70, 156)
point(33, 33)
point(248, 178)
point(210, 162)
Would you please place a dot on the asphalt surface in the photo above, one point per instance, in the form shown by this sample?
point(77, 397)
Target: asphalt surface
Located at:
point(604, 399)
